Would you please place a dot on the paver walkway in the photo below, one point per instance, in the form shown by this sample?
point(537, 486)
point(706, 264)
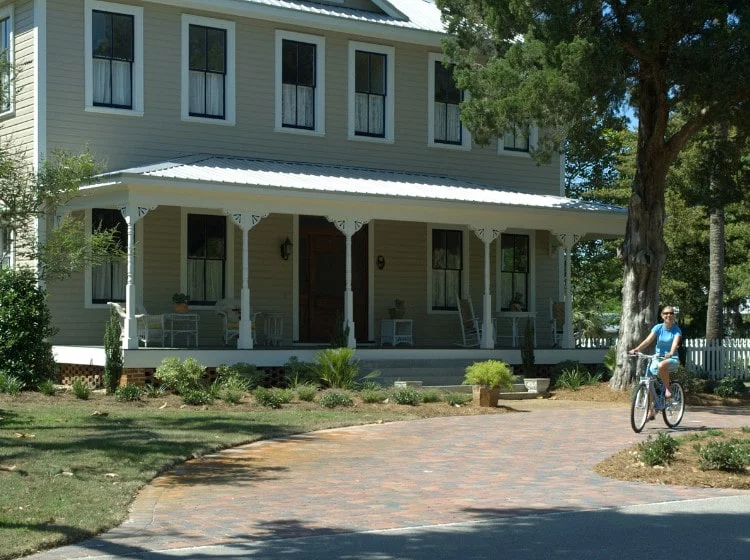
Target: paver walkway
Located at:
point(399, 475)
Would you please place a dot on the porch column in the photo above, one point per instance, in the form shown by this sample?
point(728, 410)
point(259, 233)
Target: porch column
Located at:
point(132, 213)
point(487, 234)
point(349, 226)
point(568, 240)
point(245, 221)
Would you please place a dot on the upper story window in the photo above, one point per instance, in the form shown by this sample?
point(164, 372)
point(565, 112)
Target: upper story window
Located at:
point(6, 248)
point(108, 279)
point(518, 141)
point(447, 268)
point(206, 258)
point(515, 272)
point(114, 58)
point(444, 119)
point(208, 60)
point(6, 60)
point(300, 91)
point(371, 91)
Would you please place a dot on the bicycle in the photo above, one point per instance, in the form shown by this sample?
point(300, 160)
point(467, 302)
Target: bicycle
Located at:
point(645, 394)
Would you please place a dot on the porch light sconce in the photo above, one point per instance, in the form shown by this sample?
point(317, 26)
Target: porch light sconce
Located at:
point(286, 249)
point(380, 261)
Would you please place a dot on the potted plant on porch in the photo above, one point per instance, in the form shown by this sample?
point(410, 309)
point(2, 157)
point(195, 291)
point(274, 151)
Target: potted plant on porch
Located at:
point(488, 378)
point(180, 302)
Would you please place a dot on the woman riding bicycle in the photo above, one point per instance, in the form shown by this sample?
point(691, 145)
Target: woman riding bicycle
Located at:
point(667, 336)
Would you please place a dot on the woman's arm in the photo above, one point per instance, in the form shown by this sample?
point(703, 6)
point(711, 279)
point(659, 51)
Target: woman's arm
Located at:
point(675, 346)
point(648, 340)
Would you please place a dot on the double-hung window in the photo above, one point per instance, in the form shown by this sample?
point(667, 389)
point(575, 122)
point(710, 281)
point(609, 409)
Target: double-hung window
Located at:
point(300, 91)
point(6, 59)
point(518, 141)
point(208, 70)
point(114, 57)
point(208, 60)
point(108, 279)
point(371, 91)
point(444, 119)
point(6, 248)
point(515, 272)
point(447, 268)
point(206, 258)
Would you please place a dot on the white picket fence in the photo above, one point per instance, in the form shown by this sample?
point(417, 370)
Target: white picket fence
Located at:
point(719, 359)
point(730, 357)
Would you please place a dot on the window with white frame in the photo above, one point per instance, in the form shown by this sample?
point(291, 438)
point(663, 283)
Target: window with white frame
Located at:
point(447, 248)
point(114, 57)
point(518, 141)
point(6, 59)
point(208, 61)
point(444, 126)
point(108, 280)
point(515, 271)
point(6, 248)
point(371, 91)
point(300, 91)
point(206, 258)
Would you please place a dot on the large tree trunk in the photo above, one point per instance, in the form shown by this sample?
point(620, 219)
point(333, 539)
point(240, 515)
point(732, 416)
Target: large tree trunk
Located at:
point(715, 312)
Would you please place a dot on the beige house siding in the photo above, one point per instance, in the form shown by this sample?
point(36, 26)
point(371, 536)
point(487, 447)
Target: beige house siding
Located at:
point(160, 134)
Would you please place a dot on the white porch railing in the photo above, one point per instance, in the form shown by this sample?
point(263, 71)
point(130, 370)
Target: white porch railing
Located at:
point(730, 357)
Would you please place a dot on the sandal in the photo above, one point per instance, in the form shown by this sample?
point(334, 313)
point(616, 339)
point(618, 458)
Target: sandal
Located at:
point(668, 394)
point(651, 416)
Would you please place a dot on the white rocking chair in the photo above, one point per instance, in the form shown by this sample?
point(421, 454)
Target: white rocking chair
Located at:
point(471, 327)
point(229, 309)
point(148, 326)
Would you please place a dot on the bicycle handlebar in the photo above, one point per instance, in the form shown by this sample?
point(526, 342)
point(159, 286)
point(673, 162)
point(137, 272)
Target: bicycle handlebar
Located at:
point(644, 356)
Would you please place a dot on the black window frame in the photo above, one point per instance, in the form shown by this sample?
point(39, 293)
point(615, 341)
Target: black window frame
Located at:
point(514, 239)
point(103, 219)
point(5, 51)
point(286, 79)
point(111, 56)
point(514, 148)
point(370, 92)
point(446, 85)
point(205, 69)
point(444, 234)
point(193, 220)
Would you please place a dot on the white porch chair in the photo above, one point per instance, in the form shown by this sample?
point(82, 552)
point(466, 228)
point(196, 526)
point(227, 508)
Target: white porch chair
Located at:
point(148, 326)
point(471, 326)
point(557, 321)
point(273, 328)
point(229, 309)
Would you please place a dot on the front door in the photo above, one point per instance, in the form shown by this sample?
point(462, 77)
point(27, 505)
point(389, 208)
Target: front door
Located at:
point(322, 250)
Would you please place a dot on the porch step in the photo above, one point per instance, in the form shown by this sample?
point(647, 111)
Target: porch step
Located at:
point(429, 372)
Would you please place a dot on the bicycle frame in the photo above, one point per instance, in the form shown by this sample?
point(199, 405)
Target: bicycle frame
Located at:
point(646, 398)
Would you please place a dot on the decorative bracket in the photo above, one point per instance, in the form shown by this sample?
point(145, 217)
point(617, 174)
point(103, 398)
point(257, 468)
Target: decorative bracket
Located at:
point(568, 239)
point(348, 226)
point(245, 220)
point(135, 212)
point(486, 234)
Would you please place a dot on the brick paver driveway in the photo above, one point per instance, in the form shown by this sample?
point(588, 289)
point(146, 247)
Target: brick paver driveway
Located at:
point(400, 475)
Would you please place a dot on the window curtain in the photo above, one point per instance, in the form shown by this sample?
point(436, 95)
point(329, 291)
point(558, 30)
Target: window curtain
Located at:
point(305, 106)
point(112, 82)
point(108, 282)
point(206, 94)
point(205, 279)
point(447, 123)
point(197, 93)
point(369, 111)
point(121, 90)
point(102, 90)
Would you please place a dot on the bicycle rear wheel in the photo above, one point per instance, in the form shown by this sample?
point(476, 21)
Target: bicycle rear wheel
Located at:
point(639, 408)
point(674, 407)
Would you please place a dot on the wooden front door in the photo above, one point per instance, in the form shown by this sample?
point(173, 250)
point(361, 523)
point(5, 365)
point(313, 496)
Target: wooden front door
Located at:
point(323, 279)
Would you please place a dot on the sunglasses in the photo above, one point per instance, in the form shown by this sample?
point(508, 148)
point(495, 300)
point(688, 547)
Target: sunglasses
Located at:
point(668, 313)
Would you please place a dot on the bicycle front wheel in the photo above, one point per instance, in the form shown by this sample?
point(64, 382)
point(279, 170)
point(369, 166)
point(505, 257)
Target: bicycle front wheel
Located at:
point(639, 408)
point(675, 407)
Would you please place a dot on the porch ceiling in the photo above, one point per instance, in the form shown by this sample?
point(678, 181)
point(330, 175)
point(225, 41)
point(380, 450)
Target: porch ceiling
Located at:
point(271, 186)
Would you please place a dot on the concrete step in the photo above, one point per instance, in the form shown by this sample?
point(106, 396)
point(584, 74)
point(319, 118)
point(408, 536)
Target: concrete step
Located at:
point(429, 372)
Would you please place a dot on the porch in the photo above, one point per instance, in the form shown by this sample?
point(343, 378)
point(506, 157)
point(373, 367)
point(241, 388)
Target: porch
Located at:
point(432, 366)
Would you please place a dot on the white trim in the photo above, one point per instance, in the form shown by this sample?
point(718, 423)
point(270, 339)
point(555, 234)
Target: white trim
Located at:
point(465, 263)
point(465, 145)
point(531, 296)
point(390, 93)
point(229, 251)
point(533, 142)
point(137, 84)
point(8, 12)
point(40, 81)
point(230, 93)
point(320, 89)
point(87, 284)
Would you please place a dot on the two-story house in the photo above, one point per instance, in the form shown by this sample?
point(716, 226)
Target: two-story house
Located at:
point(306, 159)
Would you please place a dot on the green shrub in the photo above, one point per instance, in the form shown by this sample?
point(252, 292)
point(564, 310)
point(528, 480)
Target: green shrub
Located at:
point(457, 399)
point(730, 386)
point(691, 383)
point(373, 395)
point(659, 451)
point(129, 393)
point(431, 396)
point(181, 377)
point(306, 392)
point(406, 395)
point(336, 368)
point(47, 387)
point(81, 388)
point(576, 378)
point(285, 395)
point(492, 373)
point(560, 368)
point(112, 352)
point(154, 391)
point(249, 373)
point(610, 361)
point(10, 384)
point(196, 397)
point(267, 397)
point(332, 399)
point(729, 456)
point(232, 389)
point(299, 373)
point(25, 328)
point(370, 384)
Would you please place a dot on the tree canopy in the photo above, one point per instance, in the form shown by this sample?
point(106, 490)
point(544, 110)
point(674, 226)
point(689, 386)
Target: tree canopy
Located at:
point(571, 66)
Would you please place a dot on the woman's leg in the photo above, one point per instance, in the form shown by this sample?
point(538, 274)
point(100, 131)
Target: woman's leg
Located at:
point(664, 368)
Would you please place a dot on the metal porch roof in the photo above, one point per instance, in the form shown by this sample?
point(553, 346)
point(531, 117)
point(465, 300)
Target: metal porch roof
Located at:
point(339, 179)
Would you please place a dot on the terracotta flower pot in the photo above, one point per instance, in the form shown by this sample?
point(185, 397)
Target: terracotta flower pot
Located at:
point(180, 307)
point(485, 396)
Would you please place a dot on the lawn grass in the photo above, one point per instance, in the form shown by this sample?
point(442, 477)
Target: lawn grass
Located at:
point(68, 473)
